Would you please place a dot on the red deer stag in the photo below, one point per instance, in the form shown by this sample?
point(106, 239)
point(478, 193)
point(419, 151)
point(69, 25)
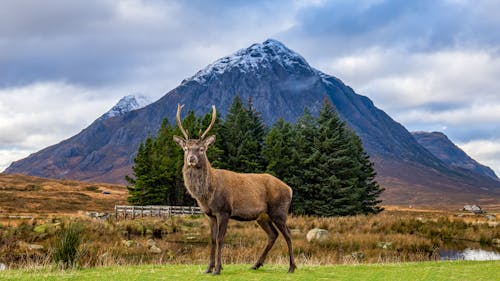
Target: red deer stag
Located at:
point(224, 195)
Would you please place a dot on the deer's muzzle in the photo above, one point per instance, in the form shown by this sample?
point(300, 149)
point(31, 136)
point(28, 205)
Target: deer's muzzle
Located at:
point(192, 160)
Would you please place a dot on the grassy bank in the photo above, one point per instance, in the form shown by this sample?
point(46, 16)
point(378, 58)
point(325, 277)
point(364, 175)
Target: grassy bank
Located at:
point(385, 238)
point(462, 270)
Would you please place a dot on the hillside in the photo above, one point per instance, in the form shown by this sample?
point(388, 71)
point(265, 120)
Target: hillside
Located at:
point(445, 150)
point(20, 194)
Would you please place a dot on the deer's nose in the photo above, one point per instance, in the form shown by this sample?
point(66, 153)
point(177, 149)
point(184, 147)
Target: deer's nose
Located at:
point(192, 159)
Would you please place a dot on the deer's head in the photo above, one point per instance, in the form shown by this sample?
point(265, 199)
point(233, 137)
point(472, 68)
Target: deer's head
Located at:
point(195, 149)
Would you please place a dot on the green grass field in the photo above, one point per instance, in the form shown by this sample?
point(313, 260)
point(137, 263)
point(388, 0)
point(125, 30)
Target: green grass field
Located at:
point(457, 270)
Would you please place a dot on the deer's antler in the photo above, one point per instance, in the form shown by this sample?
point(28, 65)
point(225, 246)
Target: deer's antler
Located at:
point(179, 123)
point(214, 116)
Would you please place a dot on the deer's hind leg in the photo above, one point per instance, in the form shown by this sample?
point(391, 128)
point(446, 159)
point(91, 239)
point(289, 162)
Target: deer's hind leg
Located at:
point(280, 221)
point(272, 234)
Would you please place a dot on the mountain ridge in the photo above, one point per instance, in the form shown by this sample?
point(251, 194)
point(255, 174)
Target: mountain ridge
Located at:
point(125, 105)
point(281, 85)
point(443, 148)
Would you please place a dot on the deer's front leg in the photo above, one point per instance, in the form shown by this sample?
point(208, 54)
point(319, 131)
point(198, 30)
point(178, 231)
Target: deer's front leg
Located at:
point(213, 237)
point(222, 220)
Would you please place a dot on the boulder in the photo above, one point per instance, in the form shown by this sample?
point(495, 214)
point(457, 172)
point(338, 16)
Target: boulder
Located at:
point(496, 242)
point(151, 243)
point(3, 266)
point(491, 217)
point(317, 234)
point(384, 245)
point(128, 243)
point(155, 250)
point(473, 209)
point(27, 246)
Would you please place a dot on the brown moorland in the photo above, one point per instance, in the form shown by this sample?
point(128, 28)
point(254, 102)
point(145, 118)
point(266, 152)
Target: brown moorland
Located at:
point(26, 195)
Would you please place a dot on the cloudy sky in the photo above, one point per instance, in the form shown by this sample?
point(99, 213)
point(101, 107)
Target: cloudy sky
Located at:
point(431, 65)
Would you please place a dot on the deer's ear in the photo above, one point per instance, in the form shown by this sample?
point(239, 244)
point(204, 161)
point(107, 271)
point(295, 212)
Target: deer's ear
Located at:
point(208, 141)
point(180, 141)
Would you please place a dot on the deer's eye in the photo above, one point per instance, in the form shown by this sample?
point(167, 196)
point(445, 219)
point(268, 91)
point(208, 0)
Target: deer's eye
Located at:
point(202, 149)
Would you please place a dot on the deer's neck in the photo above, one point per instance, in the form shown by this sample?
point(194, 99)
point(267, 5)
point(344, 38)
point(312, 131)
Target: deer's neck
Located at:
point(197, 181)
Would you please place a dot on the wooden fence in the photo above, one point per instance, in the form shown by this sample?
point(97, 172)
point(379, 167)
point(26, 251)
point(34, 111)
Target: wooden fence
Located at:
point(154, 211)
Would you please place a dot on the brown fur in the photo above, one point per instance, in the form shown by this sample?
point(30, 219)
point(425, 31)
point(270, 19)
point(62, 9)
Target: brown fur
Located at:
point(224, 194)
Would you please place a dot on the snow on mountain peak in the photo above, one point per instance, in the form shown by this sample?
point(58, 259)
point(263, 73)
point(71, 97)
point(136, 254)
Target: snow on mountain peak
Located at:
point(258, 55)
point(126, 104)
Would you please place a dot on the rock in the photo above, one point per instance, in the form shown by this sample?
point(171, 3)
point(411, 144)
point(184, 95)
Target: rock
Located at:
point(384, 245)
point(98, 215)
point(473, 209)
point(128, 243)
point(359, 256)
point(317, 234)
point(495, 242)
point(155, 250)
point(28, 246)
point(491, 217)
point(3, 266)
point(151, 243)
point(49, 228)
point(35, 247)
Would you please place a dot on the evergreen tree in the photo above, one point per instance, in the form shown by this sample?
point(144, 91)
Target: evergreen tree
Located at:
point(305, 132)
point(369, 188)
point(141, 168)
point(243, 134)
point(332, 172)
point(279, 151)
point(335, 176)
point(320, 158)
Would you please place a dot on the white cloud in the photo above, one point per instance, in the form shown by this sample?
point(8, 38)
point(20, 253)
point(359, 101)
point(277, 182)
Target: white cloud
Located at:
point(428, 64)
point(38, 115)
point(398, 79)
point(467, 116)
point(486, 152)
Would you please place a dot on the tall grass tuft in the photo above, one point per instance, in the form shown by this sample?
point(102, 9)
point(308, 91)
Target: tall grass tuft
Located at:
point(66, 251)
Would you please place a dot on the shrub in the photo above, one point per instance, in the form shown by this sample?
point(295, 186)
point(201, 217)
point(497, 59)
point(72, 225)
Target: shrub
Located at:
point(66, 251)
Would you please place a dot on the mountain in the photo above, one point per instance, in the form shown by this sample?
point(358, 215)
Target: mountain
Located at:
point(445, 150)
point(281, 84)
point(126, 104)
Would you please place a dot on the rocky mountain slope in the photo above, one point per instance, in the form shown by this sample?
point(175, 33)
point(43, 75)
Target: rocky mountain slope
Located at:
point(281, 84)
point(445, 150)
point(125, 105)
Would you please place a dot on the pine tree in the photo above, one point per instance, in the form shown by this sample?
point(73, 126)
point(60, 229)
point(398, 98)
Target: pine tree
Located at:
point(320, 158)
point(279, 151)
point(143, 173)
point(243, 134)
point(370, 189)
point(330, 181)
point(305, 131)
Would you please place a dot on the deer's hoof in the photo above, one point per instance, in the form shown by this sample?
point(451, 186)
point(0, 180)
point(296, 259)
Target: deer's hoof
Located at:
point(256, 266)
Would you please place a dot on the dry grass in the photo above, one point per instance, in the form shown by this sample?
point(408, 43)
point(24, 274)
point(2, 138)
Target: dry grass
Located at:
point(398, 234)
point(392, 236)
point(24, 195)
